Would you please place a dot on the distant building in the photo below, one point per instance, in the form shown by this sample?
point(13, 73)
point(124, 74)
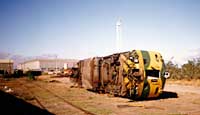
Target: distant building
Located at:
point(6, 66)
point(47, 64)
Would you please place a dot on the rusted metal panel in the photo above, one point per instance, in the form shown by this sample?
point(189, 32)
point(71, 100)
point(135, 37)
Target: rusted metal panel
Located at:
point(101, 72)
point(95, 72)
point(85, 72)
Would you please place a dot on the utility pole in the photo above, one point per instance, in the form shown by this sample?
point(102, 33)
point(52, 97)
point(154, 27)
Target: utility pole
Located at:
point(9, 64)
point(56, 63)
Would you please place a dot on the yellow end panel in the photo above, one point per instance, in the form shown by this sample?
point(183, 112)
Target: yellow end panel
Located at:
point(155, 86)
point(156, 61)
point(141, 66)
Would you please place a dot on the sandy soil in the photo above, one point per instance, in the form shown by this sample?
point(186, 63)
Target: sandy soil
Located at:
point(177, 98)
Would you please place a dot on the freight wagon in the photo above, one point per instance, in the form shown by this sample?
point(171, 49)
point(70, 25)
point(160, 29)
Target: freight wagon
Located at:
point(133, 74)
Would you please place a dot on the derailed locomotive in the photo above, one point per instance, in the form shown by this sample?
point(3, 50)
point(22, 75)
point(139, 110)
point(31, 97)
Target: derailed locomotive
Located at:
point(134, 74)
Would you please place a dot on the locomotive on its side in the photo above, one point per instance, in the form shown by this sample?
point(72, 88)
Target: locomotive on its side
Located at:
point(134, 74)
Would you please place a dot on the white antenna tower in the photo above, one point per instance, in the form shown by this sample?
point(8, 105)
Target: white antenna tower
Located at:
point(118, 35)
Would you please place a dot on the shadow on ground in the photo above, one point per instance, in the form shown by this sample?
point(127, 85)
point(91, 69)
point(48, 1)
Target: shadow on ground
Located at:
point(168, 94)
point(10, 105)
point(164, 95)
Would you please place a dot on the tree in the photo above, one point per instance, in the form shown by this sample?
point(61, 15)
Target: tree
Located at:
point(175, 72)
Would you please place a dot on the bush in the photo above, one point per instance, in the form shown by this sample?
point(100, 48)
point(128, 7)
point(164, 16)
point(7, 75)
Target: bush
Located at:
point(32, 74)
point(190, 70)
point(18, 73)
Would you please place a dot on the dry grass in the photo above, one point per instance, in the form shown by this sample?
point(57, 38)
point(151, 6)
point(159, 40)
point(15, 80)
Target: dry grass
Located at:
point(193, 82)
point(102, 104)
point(81, 98)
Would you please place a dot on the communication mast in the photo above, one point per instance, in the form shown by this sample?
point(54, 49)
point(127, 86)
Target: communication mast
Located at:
point(118, 35)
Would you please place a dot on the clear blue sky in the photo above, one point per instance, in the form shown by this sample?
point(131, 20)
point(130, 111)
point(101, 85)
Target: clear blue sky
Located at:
point(84, 28)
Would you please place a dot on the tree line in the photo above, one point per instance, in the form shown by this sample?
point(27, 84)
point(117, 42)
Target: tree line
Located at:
point(189, 70)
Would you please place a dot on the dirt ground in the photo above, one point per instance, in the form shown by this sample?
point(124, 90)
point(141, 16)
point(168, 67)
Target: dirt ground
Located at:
point(49, 95)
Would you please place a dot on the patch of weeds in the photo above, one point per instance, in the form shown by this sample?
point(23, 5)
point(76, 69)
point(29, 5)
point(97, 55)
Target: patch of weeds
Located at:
point(177, 114)
point(80, 104)
point(197, 101)
point(92, 108)
point(100, 111)
point(44, 95)
point(90, 97)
